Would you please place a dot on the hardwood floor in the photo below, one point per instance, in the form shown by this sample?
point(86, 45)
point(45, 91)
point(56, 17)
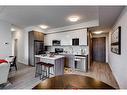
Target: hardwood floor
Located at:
point(99, 71)
point(72, 81)
point(24, 77)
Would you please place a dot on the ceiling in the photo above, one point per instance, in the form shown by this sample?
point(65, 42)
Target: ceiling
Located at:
point(56, 16)
point(107, 17)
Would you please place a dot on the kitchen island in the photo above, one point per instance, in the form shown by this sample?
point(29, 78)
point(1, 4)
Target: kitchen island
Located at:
point(57, 60)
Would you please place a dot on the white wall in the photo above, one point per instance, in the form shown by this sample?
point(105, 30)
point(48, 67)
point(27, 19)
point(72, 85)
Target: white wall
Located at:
point(107, 42)
point(5, 37)
point(118, 63)
point(19, 35)
point(22, 36)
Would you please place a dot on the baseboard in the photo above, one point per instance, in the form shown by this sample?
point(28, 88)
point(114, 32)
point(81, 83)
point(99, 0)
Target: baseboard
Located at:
point(114, 75)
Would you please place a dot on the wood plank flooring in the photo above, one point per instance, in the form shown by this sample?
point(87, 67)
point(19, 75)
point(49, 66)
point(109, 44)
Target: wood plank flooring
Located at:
point(24, 78)
point(99, 71)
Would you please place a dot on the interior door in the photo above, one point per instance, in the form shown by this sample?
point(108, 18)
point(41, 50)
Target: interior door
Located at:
point(99, 49)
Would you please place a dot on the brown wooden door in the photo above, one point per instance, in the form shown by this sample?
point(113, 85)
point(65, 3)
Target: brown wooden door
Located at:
point(99, 49)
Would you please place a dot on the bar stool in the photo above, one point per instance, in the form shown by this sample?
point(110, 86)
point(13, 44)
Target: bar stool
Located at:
point(50, 66)
point(41, 70)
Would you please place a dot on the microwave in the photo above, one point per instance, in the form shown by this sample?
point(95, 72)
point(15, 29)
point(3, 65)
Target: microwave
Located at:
point(56, 42)
point(75, 41)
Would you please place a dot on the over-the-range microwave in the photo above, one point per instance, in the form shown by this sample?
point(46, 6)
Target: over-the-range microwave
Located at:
point(56, 42)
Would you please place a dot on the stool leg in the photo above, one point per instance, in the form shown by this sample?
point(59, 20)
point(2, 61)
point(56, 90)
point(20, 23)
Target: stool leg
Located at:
point(36, 71)
point(48, 72)
point(53, 70)
point(40, 71)
point(44, 72)
point(43, 69)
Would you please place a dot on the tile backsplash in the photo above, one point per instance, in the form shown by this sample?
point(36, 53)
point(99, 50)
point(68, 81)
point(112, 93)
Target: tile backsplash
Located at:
point(77, 50)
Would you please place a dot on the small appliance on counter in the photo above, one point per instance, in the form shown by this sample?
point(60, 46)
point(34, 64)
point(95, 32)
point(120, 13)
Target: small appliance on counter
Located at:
point(52, 54)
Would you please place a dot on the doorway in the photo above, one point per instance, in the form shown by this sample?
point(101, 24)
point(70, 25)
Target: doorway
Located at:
point(15, 47)
point(99, 49)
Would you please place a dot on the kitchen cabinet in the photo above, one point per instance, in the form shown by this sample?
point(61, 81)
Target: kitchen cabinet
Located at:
point(66, 37)
point(83, 37)
point(33, 37)
point(76, 62)
point(69, 60)
point(81, 34)
point(48, 38)
point(38, 36)
point(57, 61)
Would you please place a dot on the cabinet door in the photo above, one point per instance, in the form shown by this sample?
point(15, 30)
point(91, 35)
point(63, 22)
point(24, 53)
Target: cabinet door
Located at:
point(48, 40)
point(69, 60)
point(41, 36)
point(36, 36)
point(81, 34)
point(65, 38)
point(83, 37)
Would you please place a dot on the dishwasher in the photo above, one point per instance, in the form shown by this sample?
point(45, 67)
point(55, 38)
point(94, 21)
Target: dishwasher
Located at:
point(80, 63)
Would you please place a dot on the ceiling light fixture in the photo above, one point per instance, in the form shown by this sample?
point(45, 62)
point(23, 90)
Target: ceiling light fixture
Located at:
point(12, 29)
point(73, 18)
point(43, 26)
point(98, 32)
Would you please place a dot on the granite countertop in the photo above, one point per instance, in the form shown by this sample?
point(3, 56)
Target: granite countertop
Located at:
point(48, 57)
point(73, 54)
point(80, 57)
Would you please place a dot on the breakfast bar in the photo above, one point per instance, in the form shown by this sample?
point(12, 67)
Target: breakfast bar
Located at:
point(57, 60)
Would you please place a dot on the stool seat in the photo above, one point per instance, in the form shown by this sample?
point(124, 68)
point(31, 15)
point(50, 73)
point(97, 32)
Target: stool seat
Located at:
point(42, 63)
point(43, 69)
point(39, 70)
point(49, 65)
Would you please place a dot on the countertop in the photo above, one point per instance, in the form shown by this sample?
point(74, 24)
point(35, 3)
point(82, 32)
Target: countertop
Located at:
point(82, 56)
point(48, 57)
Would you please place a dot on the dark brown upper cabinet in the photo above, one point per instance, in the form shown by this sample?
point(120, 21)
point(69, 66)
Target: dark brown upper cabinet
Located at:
point(38, 36)
point(34, 36)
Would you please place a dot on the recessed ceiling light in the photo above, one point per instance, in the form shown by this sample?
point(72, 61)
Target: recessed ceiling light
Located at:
point(12, 29)
point(73, 18)
point(98, 32)
point(43, 26)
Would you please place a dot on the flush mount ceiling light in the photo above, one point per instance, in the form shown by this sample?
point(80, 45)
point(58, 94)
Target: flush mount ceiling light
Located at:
point(43, 26)
point(98, 32)
point(73, 18)
point(12, 29)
